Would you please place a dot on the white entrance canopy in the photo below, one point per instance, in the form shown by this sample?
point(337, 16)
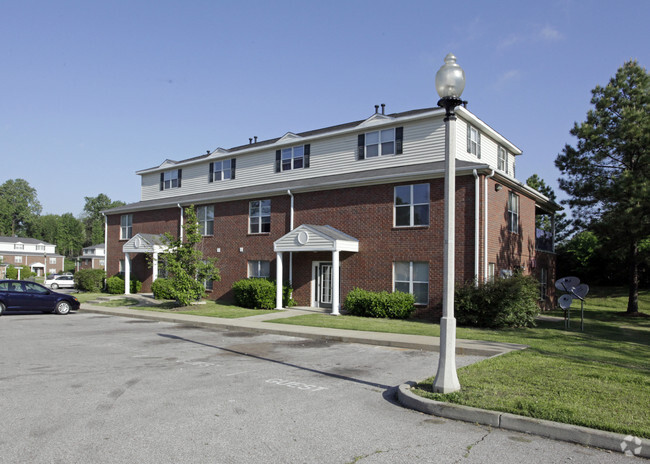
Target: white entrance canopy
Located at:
point(309, 237)
point(142, 243)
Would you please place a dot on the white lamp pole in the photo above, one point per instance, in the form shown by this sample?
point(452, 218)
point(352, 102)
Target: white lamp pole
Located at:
point(450, 82)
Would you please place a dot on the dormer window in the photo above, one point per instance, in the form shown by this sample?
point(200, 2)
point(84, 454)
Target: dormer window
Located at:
point(380, 143)
point(290, 158)
point(40, 247)
point(222, 170)
point(502, 159)
point(19, 246)
point(170, 179)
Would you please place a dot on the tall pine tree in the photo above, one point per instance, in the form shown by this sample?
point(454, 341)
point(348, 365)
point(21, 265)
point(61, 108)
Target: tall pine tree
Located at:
point(607, 174)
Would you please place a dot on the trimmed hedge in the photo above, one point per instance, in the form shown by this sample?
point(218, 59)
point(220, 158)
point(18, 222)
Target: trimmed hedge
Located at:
point(397, 305)
point(25, 272)
point(90, 280)
point(510, 302)
point(259, 293)
point(115, 285)
point(162, 289)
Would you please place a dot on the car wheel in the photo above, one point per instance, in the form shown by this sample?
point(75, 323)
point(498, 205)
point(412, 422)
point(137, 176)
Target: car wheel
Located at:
point(2, 308)
point(54, 286)
point(62, 307)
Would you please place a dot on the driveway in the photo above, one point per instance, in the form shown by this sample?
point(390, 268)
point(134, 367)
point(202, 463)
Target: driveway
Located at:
point(104, 389)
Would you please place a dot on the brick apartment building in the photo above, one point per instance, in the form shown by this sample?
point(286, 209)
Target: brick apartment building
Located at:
point(92, 257)
point(40, 257)
point(364, 198)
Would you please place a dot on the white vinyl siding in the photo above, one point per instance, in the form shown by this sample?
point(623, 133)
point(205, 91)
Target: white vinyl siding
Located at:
point(423, 142)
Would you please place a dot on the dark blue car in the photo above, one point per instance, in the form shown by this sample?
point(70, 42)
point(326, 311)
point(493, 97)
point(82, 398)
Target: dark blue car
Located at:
point(22, 295)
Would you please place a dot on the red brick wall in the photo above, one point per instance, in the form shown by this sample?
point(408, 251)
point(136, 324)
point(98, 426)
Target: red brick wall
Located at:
point(365, 213)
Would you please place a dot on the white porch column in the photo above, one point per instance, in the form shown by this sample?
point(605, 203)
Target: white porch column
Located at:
point(278, 274)
point(335, 283)
point(127, 273)
point(154, 268)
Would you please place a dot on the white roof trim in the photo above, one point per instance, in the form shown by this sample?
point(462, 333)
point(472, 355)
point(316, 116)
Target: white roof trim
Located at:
point(315, 238)
point(487, 130)
point(141, 244)
point(376, 119)
point(288, 137)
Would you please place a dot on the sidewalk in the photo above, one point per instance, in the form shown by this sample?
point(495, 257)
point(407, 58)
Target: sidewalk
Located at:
point(261, 324)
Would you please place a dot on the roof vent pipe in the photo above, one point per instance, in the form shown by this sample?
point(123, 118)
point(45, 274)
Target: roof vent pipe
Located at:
point(383, 108)
point(250, 140)
point(256, 139)
point(376, 109)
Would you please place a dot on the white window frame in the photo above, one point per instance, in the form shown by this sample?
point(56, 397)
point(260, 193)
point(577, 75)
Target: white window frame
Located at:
point(292, 158)
point(502, 159)
point(492, 271)
point(170, 179)
point(205, 217)
point(40, 247)
point(256, 268)
point(18, 259)
point(222, 170)
point(19, 246)
point(52, 260)
point(380, 147)
point(513, 212)
point(122, 266)
point(126, 226)
point(257, 215)
point(411, 281)
point(473, 141)
point(411, 205)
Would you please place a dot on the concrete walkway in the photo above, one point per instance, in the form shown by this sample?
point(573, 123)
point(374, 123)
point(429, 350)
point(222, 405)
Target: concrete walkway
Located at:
point(261, 323)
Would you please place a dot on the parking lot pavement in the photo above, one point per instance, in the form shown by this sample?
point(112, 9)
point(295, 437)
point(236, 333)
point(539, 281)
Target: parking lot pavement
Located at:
point(103, 389)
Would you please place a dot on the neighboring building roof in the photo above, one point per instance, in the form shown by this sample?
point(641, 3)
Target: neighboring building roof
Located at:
point(101, 245)
point(28, 253)
point(24, 240)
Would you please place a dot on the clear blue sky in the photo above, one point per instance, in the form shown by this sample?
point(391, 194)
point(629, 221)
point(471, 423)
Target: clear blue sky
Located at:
point(94, 91)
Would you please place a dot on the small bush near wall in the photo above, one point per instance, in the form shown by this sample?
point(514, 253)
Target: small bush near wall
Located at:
point(25, 272)
point(258, 293)
point(90, 280)
point(162, 289)
point(397, 305)
point(115, 285)
point(510, 302)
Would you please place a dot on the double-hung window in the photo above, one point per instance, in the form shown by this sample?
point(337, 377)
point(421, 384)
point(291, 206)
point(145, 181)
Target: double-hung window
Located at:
point(171, 179)
point(222, 170)
point(40, 247)
point(412, 205)
point(18, 259)
point(259, 216)
point(52, 260)
point(205, 216)
point(19, 246)
point(412, 277)
point(126, 226)
point(502, 159)
point(290, 158)
point(473, 141)
point(543, 283)
point(258, 268)
point(380, 143)
point(513, 212)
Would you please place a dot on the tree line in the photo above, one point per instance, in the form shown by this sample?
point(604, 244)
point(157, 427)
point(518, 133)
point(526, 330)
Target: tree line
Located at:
point(20, 216)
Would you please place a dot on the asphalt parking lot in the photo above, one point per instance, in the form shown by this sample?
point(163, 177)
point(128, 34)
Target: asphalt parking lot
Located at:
point(103, 389)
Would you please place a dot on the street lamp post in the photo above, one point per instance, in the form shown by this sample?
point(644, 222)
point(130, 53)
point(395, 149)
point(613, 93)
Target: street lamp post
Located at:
point(450, 82)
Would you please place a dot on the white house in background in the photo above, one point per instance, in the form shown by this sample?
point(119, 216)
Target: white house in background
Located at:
point(92, 257)
point(41, 257)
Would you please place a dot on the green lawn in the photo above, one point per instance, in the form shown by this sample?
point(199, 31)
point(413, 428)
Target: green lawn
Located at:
point(209, 309)
point(599, 378)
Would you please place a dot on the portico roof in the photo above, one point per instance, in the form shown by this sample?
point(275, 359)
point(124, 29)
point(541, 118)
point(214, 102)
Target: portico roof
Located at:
point(308, 237)
point(145, 243)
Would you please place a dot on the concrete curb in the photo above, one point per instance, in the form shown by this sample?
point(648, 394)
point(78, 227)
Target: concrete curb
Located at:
point(554, 430)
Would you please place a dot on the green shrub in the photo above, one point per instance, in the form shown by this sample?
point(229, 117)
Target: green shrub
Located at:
point(162, 289)
point(90, 280)
point(259, 293)
point(25, 272)
point(115, 285)
point(510, 302)
point(397, 305)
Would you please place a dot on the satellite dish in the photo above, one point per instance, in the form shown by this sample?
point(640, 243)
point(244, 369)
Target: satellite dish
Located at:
point(581, 291)
point(567, 283)
point(565, 301)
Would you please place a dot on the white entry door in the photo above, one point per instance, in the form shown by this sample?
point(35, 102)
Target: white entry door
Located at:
point(323, 287)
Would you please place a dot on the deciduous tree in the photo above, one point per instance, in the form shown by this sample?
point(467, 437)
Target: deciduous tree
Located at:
point(18, 205)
